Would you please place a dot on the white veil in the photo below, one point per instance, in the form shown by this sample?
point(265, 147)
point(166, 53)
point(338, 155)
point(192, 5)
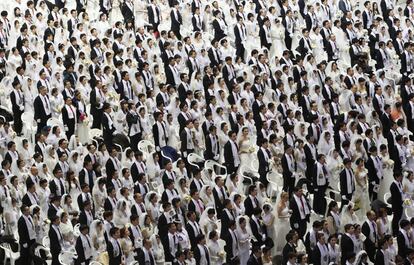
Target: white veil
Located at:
point(93, 231)
point(204, 220)
point(203, 194)
point(248, 228)
point(322, 143)
point(359, 257)
point(142, 218)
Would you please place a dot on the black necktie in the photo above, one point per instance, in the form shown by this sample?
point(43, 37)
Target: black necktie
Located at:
point(207, 255)
point(151, 258)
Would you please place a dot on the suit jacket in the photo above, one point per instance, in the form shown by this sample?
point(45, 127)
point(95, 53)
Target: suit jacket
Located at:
point(386, 123)
point(286, 250)
point(372, 171)
point(108, 129)
point(344, 184)
point(218, 32)
point(39, 110)
point(24, 237)
point(114, 260)
point(192, 235)
point(199, 257)
point(347, 247)
point(379, 258)
point(152, 15)
point(141, 258)
point(214, 57)
point(175, 22)
point(55, 247)
point(396, 198)
point(228, 248)
point(254, 261)
point(368, 243)
point(209, 152)
point(402, 247)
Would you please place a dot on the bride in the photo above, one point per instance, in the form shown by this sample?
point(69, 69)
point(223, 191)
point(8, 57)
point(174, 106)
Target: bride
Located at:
point(361, 191)
point(115, 14)
point(348, 216)
point(282, 226)
point(277, 33)
point(208, 220)
point(245, 146)
point(97, 238)
point(243, 234)
point(120, 214)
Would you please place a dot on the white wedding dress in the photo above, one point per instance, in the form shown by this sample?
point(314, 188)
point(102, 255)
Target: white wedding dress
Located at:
point(115, 14)
point(282, 228)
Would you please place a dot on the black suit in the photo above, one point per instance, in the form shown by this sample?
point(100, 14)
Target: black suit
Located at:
point(288, 248)
point(372, 177)
point(403, 247)
point(264, 166)
point(108, 130)
point(176, 23)
point(296, 222)
point(55, 247)
point(253, 260)
point(24, 241)
point(17, 100)
point(80, 251)
point(347, 247)
point(229, 158)
point(218, 32)
point(228, 248)
point(369, 244)
point(145, 260)
point(343, 180)
point(40, 112)
point(379, 258)
point(396, 204)
point(113, 258)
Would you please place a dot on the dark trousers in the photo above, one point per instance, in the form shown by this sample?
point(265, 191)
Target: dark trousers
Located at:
point(288, 40)
point(240, 51)
point(135, 139)
point(177, 33)
point(40, 126)
point(70, 129)
point(187, 165)
point(346, 200)
point(288, 184)
point(319, 201)
point(263, 178)
point(25, 257)
point(231, 169)
point(97, 119)
point(301, 229)
point(18, 123)
point(55, 259)
point(372, 194)
point(397, 214)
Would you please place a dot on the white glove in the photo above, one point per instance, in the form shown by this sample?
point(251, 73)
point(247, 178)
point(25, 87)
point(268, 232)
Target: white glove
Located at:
point(296, 226)
point(21, 108)
point(38, 120)
point(343, 197)
point(66, 128)
point(25, 245)
point(216, 157)
point(157, 148)
point(185, 154)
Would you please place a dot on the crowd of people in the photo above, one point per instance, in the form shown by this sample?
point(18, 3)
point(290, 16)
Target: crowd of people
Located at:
point(207, 132)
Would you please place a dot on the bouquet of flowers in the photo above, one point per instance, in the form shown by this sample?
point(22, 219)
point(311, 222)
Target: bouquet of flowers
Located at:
point(407, 202)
